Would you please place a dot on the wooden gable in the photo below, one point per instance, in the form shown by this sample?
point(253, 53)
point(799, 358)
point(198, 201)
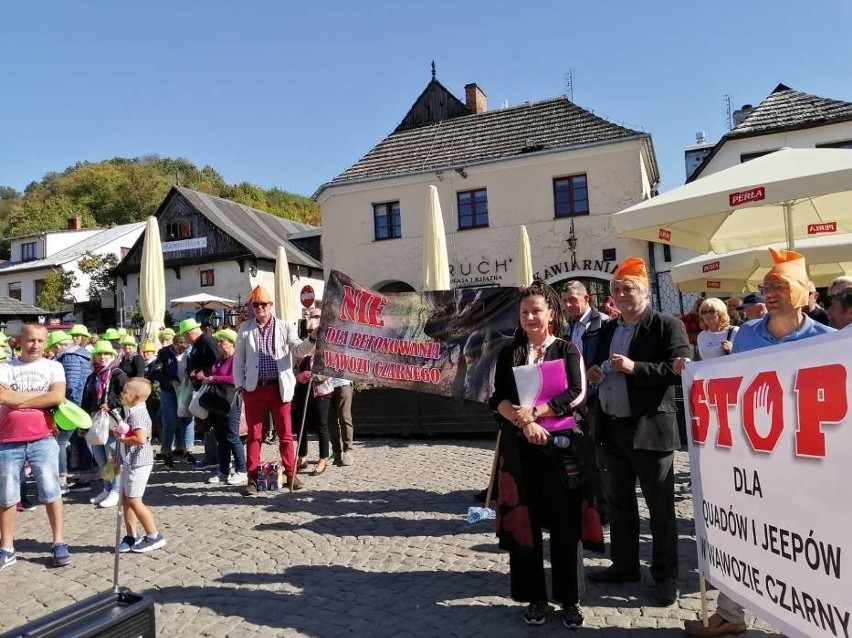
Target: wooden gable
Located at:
point(436, 103)
point(187, 236)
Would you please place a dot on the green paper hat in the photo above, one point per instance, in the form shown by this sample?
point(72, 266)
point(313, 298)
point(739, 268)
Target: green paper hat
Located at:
point(128, 340)
point(56, 336)
point(186, 325)
point(103, 346)
point(111, 334)
point(79, 330)
point(226, 334)
point(166, 332)
point(69, 416)
point(122, 332)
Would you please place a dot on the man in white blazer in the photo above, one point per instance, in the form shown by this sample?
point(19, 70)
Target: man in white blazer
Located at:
point(263, 374)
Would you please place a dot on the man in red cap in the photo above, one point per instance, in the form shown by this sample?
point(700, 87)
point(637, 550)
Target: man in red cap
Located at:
point(786, 291)
point(263, 371)
point(637, 427)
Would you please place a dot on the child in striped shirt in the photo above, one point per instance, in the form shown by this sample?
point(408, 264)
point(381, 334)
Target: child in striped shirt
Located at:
point(132, 433)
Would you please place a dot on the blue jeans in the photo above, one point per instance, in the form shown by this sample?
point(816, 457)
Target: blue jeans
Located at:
point(227, 430)
point(102, 454)
point(63, 439)
point(173, 425)
point(43, 456)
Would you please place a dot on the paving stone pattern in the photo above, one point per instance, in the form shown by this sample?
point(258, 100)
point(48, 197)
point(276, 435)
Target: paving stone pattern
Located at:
point(380, 548)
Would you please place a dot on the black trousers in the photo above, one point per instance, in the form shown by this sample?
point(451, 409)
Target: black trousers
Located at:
point(554, 506)
point(655, 471)
point(316, 418)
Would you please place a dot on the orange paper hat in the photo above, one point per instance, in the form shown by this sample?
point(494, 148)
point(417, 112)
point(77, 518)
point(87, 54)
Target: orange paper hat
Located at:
point(633, 268)
point(259, 294)
point(790, 266)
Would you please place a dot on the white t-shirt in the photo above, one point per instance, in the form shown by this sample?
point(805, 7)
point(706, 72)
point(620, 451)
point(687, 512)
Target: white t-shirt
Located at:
point(710, 343)
point(24, 424)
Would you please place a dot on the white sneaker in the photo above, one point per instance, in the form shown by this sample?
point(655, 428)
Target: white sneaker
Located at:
point(237, 478)
point(218, 478)
point(100, 497)
point(110, 501)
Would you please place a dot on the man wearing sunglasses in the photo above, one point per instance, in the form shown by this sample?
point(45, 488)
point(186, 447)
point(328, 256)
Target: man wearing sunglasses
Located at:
point(263, 372)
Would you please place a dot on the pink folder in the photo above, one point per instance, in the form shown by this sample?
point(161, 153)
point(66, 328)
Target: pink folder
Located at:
point(538, 383)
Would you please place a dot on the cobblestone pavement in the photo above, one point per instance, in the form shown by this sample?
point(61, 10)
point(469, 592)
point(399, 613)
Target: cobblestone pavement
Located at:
point(376, 549)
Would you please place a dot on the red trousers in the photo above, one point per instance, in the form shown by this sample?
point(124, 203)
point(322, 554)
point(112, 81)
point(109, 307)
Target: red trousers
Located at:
point(266, 399)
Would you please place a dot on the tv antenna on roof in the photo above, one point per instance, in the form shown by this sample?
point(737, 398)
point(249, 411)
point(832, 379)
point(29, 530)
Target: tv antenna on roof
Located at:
point(569, 84)
point(727, 113)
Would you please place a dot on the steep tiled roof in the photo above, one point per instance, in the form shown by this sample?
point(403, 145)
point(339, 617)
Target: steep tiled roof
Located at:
point(261, 233)
point(551, 124)
point(785, 109)
point(74, 252)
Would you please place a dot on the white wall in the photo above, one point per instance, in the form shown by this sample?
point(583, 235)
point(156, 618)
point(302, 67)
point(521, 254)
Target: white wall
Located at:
point(519, 192)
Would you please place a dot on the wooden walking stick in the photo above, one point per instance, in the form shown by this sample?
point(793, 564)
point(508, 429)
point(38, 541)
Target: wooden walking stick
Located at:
point(301, 432)
point(493, 469)
point(702, 588)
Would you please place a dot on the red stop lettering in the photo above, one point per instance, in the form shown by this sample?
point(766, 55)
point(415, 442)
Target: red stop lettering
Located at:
point(700, 411)
point(763, 409)
point(821, 399)
point(723, 395)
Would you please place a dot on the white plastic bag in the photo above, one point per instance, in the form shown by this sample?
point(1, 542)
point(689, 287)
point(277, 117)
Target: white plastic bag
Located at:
point(195, 408)
point(184, 397)
point(98, 434)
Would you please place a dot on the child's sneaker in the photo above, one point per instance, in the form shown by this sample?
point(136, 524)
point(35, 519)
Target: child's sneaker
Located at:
point(61, 557)
point(127, 544)
point(8, 557)
point(148, 544)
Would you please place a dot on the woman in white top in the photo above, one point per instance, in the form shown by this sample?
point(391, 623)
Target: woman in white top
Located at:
point(717, 334)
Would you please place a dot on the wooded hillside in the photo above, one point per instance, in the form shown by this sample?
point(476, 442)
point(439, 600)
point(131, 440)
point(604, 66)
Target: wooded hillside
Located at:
point(119, 191)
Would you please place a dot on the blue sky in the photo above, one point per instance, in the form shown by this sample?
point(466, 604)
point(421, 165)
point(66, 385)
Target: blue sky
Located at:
point(289, 94)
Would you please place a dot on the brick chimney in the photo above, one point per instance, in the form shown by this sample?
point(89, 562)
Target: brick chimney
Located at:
point(75, 223)
point(474, 97)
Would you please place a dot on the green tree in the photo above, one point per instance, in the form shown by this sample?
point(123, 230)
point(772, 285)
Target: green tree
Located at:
point(52, 213)
point(99, 268)
point(55, 294)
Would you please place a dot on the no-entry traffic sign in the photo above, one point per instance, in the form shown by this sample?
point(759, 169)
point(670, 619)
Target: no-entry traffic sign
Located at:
point(307, 296)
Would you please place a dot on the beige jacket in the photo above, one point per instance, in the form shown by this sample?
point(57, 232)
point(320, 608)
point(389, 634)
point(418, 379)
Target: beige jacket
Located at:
point(246, 359)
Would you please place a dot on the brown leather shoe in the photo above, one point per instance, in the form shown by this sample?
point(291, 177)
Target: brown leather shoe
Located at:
point(321, 466)
point(297, 483)
point(301, 463)
point(716, 626)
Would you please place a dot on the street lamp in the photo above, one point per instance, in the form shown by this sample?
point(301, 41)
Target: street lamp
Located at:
point(572, 244)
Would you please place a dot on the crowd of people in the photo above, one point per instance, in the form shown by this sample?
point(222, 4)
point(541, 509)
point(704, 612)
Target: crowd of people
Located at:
point(613, 423)
point(221, 386)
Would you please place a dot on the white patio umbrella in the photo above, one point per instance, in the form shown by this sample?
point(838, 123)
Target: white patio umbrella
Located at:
point(203, 301)
point(436, 266)
point(152, 282)
point(524, 264)
point(827, 257)
point(283, 289)
point(781, 197)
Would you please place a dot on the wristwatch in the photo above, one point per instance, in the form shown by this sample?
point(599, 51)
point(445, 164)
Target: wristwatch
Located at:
point(535, 413)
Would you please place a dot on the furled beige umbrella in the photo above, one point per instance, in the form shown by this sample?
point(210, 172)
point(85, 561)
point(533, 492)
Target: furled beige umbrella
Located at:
point(784, 196)
point(152, 282)
point(524, 264)
point(827, 257)
point(436, 266)
point(283, 289)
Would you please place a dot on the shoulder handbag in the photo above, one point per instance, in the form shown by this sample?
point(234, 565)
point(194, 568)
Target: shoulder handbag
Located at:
point(98, 434)
point(218, 398)
point(195, 408)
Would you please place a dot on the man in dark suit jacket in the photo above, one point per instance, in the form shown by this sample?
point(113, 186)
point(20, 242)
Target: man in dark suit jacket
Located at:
point(637, 427)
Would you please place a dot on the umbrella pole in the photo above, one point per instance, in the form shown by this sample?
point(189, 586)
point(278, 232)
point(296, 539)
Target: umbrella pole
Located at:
point(301, 433)
point(788, 223)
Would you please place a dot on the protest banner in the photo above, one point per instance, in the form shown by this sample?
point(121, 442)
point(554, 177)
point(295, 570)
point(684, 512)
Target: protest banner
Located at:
point(442, 342)
point(770, 447)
